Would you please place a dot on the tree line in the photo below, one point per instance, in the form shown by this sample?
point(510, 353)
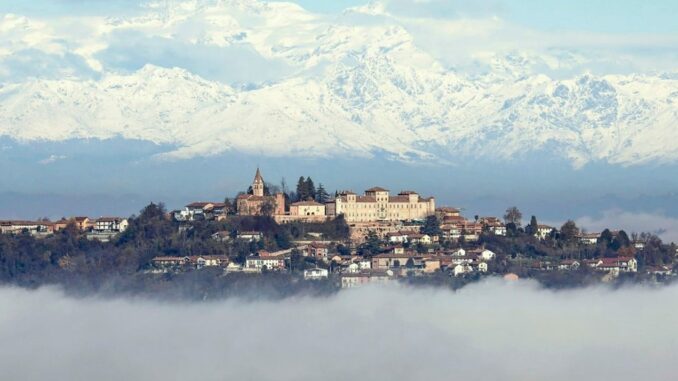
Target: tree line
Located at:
point(67, 257)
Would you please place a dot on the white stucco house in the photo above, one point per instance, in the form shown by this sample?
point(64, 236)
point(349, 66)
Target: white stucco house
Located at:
point(316, 274)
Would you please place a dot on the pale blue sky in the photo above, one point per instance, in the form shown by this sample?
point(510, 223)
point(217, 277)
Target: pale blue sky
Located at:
point(608, 16)
point(625, 16)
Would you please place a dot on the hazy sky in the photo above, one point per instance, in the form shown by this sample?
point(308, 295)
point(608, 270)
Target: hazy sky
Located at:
point(625, 16)
point(486, 331)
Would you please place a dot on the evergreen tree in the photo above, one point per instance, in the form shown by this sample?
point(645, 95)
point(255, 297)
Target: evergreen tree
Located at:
point(282, 240)
point(310, 189)
point(569, 231)
point(605, 238)
point(287, 199)
point(620, 240)
point(302, 192)
point(321, 194)
point(343, 250)
point(372, 245)
point(511, 229)
point(532, 228)
point(431, 226)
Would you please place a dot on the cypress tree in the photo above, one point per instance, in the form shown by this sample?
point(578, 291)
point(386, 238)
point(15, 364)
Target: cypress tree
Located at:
point(310, 189)
point(533, 227)
point(302, 193)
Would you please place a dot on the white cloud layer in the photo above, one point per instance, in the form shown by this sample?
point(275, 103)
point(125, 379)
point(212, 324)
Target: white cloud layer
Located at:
point(486, 331)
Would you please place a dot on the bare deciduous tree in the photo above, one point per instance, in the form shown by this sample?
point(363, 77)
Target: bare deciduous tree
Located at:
point(513, 216)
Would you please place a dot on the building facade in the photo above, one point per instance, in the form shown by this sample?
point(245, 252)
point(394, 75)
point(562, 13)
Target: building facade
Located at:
point(258, 203)
point(378, 205)
point(111, 224)
point(258, 263)
point(307, 209)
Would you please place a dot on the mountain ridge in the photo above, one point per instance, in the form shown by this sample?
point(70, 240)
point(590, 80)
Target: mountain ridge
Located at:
point(357, 110)
point(348, 88)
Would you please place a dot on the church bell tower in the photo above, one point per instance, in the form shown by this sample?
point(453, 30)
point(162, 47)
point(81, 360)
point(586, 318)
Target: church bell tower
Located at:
point(258, 184)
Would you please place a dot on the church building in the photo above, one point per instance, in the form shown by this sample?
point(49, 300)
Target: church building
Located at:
point(258, 203)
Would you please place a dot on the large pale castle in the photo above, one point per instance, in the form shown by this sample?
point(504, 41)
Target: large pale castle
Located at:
point(378, 205)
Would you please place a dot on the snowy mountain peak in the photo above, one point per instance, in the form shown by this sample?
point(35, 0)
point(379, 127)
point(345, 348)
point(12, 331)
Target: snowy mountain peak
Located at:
point(327, 86)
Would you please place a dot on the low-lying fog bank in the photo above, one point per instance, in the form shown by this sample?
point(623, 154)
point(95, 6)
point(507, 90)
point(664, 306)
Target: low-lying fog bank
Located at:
point(486, 331)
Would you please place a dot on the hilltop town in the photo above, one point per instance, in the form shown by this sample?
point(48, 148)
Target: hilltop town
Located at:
point(343, 240)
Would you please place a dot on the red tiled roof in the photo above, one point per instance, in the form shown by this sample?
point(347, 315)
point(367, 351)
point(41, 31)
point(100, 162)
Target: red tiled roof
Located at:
point(307, 203)
point(19, 223)
point(398, 199)
point(448, 209)
point(397, 256)
point(377, 189)
point(614, 261)
point(109, 219)
point(252, 197)
point(199, 204)
point(365, 199)
point(266, 256)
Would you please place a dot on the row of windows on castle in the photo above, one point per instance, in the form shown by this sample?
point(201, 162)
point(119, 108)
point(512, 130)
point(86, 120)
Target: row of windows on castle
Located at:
point(398, 206)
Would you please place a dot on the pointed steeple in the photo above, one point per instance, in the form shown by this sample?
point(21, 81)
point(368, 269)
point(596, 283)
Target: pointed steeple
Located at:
point(258, 184)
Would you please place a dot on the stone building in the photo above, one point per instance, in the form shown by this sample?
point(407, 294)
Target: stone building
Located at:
point(378, 205)
point(258, 202)
point(307, 208)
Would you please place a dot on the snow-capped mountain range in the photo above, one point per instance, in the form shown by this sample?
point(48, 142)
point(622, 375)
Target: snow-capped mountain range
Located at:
point(349, 85)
